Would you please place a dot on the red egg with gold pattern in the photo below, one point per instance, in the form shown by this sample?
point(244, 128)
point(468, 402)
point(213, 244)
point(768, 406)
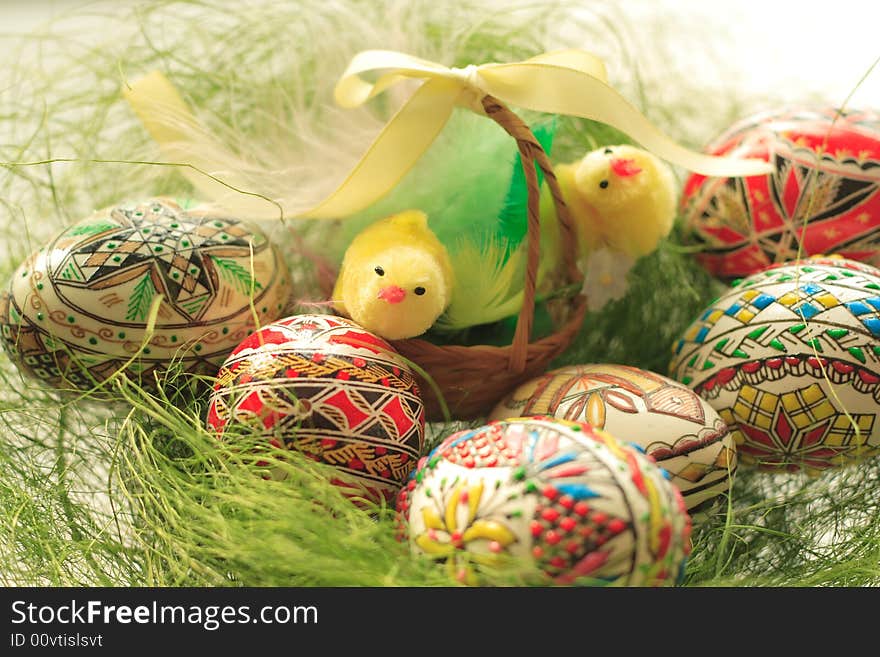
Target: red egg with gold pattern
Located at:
point(823, 198)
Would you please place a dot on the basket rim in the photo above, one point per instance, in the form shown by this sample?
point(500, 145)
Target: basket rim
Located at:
point(435, 364)
point(576, 314)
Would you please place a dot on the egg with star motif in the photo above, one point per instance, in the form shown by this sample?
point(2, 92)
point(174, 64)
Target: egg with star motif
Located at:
point(144, 288)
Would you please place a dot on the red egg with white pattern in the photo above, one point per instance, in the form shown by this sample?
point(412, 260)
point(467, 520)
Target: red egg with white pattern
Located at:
point(328, 388)
point(822, 198)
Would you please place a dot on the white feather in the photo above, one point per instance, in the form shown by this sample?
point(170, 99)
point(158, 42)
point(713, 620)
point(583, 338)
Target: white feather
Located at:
point(306, 145)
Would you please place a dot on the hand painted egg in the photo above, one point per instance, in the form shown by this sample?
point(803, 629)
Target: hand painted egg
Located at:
point(822, 198)
point(539, 500)
point(668, 420)
point(77, 310)
point(328, 388)
point(790, 359)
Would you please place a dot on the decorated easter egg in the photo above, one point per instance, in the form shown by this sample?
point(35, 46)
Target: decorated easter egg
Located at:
point(541, 500)
point(78, 309)
point(328, 388)
point(822, 197)
point(790, 359)
point(667, 419)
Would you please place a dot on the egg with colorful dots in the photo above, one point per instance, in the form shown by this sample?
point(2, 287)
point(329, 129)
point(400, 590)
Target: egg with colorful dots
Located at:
point(822, 197)
point(666, 418)
point(544, 501)
point(331, 390)
point(790, 359)
point(140, 287)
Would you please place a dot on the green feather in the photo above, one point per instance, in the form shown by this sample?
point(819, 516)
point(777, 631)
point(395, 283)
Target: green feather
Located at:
point(472, 186)
point(488, 285)
point(466, 182)
point(512, 220)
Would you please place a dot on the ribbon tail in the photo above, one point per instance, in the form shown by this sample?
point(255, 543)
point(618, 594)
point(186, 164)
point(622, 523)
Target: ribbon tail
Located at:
point(394, 152)
point(203, 160)
point(619, 113)
point(560, 90)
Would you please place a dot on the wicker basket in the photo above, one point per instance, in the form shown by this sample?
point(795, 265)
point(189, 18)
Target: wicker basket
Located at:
point(472, 379)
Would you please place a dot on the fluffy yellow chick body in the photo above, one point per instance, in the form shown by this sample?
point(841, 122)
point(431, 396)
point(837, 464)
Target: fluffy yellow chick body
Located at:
point(622, 201)
point(628, 198)
point(396, 277)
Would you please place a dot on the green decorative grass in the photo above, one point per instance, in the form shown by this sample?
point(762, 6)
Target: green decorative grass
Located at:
point(132, 490)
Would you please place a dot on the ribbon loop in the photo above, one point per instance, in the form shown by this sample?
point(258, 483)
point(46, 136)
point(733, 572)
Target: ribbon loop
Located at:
point(569, 82)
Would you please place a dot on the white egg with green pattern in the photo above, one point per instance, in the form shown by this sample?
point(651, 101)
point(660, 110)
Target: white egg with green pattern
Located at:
point(80, 308)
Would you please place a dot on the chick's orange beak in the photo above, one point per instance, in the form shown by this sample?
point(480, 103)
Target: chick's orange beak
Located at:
point(625, 167)
point(392, 294)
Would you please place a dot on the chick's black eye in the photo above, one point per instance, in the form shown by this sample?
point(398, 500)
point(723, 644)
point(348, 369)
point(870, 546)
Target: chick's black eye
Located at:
point(608, 151)
point(603, 184)
point(419, 290)
point(379, 271)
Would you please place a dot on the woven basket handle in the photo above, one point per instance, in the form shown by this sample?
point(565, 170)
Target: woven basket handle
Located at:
point(531, 151)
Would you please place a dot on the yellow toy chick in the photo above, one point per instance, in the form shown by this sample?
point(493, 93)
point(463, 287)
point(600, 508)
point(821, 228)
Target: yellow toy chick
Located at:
point(623, 202)
point(396, 277)
point(623, 198)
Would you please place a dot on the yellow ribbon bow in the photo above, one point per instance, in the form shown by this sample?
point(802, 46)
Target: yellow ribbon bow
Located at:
point(571, 82)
